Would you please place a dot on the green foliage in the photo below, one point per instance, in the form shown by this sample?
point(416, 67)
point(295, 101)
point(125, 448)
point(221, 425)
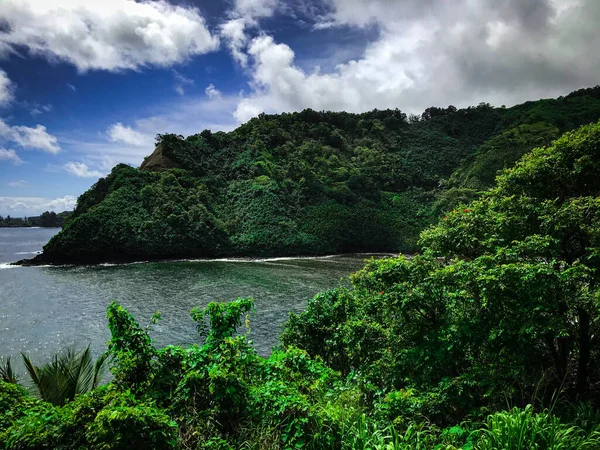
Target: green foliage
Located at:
point(125, 427)
point(307, 183)
point(14, 401)
point(101, 419)
point(502, 303)
point(7, 372)
point(130, 349)
point(46, 219)
point(223, 319)
point(501, 307)
point(522, 429)
point(68, 374)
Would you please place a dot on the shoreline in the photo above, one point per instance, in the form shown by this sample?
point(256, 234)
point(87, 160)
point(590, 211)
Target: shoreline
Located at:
point(242, 259)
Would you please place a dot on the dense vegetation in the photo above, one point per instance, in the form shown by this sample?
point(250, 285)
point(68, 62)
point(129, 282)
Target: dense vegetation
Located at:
point(47, 219)
point(308, 183)
point(486, 340)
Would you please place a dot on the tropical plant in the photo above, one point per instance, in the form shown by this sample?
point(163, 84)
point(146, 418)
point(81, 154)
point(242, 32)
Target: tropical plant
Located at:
point(523, 429)
point(504, 295)
point(307, 183)
point(501, 306)
point(7, 372)
point(68, 374)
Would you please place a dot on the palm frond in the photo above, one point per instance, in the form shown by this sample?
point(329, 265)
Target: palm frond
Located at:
point(68, 374)
point(99, 369)
point(7, 372)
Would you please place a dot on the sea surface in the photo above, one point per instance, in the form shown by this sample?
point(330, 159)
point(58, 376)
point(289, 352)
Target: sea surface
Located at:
point(45, 309)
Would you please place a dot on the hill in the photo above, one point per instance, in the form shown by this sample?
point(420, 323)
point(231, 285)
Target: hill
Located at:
point(488, 340)
point(307, 183)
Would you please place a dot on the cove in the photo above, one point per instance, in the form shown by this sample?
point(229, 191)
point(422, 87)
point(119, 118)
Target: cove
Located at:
point(45, 309)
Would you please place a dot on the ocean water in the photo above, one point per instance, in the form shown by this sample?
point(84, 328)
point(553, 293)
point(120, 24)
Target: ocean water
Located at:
point(45, 309)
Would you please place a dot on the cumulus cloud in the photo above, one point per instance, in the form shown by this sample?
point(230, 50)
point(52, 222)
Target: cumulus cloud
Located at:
point(434, 53)
point(234, 33)
point(11, 156)
point(127, 135)
point(244, 15)
point(32, 138)
point(28, 206)
point(81, 170)
point(7, 89)
point(212, 92)
point(108, 35)
point(254, 8)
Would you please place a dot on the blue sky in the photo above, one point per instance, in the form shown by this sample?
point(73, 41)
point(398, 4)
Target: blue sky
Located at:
point(86, 85)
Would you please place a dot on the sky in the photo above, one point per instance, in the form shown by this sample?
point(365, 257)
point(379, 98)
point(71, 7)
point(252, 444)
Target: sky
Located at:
point(85, 85)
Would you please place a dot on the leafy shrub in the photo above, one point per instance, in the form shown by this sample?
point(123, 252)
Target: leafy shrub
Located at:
point(126, 427)
point(521, 429)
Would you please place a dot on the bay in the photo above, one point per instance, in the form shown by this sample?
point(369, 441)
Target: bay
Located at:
point(45, 309)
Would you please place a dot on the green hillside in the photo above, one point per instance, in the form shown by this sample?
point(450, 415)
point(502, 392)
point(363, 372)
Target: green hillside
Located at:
point(488, 340)
point(307, 183)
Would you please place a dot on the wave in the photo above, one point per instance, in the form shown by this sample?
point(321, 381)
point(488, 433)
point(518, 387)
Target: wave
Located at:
point(37, 252)
point(243, 259)
point(254, 260)
point(122, 264)
point(202, 260)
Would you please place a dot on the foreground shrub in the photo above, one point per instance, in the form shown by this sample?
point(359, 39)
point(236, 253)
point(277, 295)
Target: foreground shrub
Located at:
point(68, 373)
point(503, 302)
point(14, 401)
point(522, 429)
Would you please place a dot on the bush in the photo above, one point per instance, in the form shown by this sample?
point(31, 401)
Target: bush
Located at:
point(521, 429)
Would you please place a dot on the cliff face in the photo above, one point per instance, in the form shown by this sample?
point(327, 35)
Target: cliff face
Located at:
point(307, 183)
point(158, 161)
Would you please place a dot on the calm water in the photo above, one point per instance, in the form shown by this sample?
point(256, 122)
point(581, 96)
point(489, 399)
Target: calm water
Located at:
point(44, 309)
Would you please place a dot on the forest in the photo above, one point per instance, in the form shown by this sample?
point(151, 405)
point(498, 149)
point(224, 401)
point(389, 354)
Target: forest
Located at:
point(47, 219)
point(486, 338)
point(307, 183)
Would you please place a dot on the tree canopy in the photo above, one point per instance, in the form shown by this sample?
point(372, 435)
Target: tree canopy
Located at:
point(307, 183)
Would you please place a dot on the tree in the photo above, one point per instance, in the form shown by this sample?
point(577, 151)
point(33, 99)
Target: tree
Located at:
point(66, 375)
point(504, 301)
point(543, 219)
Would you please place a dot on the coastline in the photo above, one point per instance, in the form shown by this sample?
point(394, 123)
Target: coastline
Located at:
point(38, 261)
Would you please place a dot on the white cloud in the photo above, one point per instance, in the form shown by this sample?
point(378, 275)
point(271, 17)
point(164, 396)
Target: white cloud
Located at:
point(434, 53)
point(212, 92)
point(7, 89)
point(28, 206)
point(32, 138)
point(234, 33)
point(36, 109)
point(244, 15)
point(82, 170)
point(127, 135)
point(254, 8)
point(10, 155)
point(186, 116)
point(17, 184)
point(181, 82)
point(107, 35)
point(71, 87)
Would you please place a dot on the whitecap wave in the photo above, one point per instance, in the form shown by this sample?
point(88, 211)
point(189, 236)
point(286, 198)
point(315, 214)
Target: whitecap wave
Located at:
point(37, 252)
point(255, 260)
